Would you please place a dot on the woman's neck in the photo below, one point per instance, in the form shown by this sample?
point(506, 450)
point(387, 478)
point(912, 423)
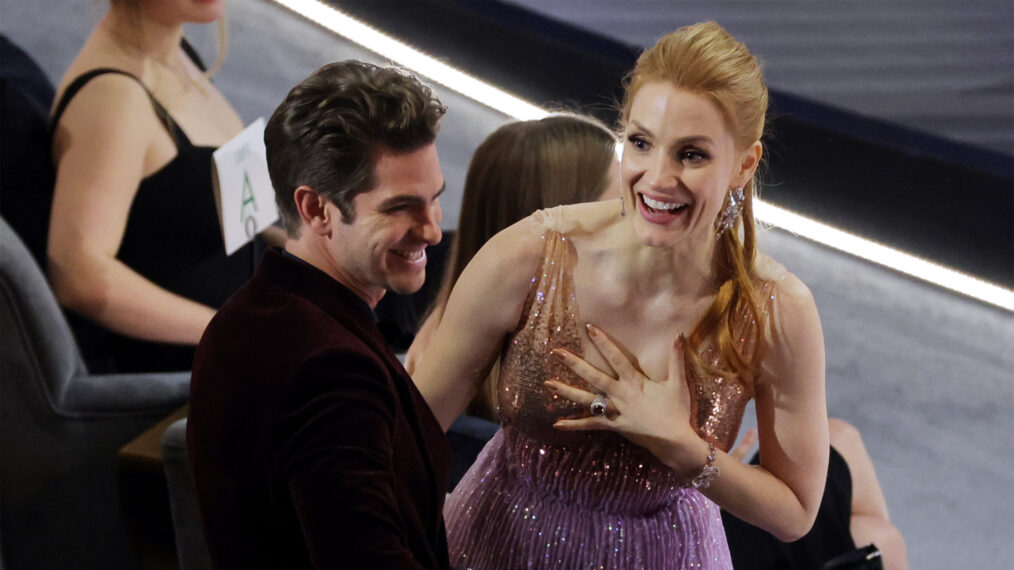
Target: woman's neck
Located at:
point(143, 37)
point(686, 269)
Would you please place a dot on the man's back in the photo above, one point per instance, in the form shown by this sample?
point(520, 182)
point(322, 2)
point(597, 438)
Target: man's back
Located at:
point(309, 444)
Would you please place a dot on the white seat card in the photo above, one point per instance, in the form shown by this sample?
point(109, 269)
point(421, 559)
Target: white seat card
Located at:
point(243, 192)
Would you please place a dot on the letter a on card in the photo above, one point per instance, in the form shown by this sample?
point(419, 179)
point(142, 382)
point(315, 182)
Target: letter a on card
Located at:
point(243, 192)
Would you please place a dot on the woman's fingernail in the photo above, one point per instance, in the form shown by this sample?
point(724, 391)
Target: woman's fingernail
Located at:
point(592, 331)
point(558, 353)
point(550, 384)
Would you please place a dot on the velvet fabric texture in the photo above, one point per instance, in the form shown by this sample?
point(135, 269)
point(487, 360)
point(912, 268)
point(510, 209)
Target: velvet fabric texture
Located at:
point(309, 444)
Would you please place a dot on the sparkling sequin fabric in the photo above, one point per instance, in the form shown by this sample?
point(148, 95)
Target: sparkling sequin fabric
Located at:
point(540, 498)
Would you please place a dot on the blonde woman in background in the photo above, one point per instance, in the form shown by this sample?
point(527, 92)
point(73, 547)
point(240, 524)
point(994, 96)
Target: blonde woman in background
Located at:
point(135, 244)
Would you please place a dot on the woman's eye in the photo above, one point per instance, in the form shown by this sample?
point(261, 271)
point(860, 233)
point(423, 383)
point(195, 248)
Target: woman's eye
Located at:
point(638, 142)
point(694, 156)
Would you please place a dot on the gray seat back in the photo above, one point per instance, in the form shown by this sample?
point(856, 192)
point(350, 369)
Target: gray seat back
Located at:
point(191, 549)
point(62, 428)
point(38, 343)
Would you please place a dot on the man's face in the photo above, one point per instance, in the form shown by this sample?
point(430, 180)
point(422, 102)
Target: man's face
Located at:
point(384, 248)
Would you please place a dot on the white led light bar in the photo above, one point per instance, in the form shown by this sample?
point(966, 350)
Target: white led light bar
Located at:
point(883, 255)
point(512, 106)
point(411, 58)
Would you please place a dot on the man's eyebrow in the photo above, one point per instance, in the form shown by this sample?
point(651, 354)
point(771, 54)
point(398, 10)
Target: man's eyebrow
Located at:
point(406, 199)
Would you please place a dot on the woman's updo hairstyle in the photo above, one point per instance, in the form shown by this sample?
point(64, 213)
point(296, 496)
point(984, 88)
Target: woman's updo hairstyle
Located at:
point(704, 59)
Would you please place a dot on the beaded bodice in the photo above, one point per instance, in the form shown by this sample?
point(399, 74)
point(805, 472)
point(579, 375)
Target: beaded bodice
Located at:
point(595, 467)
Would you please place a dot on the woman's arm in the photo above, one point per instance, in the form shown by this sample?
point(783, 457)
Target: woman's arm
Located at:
point(423, 338)
point(781, 495)
point(100, 149)
point(485, 305)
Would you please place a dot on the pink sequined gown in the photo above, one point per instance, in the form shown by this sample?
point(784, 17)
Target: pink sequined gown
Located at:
point(540, 498)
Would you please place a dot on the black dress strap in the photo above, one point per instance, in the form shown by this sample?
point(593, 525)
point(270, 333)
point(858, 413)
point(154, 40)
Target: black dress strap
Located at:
point(192, 54)
point(178, 136)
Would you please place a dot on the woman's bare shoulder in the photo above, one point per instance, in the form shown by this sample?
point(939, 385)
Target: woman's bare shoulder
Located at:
point(515, 250)
point(791, 307)
point(573, 219)
point(781, 281)
point(109, 99)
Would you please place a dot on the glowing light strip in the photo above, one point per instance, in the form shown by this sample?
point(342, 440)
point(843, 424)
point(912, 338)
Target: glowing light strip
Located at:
point(411, 58)
point(515, 107)
point(883, 255)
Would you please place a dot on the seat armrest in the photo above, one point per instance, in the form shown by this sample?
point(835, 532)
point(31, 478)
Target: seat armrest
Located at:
point(119, 394)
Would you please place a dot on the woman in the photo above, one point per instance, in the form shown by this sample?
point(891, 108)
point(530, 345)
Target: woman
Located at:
point(134, 242)
point(520, 168)
point(612, 448)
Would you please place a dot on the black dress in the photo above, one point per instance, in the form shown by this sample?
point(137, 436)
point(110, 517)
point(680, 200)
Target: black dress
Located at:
point(173, 238)
point(756, 549)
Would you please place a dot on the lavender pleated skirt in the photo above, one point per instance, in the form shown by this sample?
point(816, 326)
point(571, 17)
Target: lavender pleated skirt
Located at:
point(525, 505)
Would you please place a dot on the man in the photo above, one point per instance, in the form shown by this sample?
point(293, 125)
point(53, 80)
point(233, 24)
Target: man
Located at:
point(310, 446)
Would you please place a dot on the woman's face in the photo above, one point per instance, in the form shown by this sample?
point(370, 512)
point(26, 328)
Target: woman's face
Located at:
point(679, 162)
point(175, 12)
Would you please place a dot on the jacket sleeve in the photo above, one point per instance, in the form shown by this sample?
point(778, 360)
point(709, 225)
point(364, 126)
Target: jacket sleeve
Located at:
point(336, 461)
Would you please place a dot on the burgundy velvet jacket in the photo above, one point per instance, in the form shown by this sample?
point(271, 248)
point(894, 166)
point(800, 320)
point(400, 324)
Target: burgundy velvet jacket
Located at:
point(310, 446)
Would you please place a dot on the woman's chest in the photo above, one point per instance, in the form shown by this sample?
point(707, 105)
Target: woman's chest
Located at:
point(645, 326)
point(202, 113)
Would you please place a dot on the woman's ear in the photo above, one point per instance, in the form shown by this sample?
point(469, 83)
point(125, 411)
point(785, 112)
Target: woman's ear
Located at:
point(313, 210)
point(748, 163)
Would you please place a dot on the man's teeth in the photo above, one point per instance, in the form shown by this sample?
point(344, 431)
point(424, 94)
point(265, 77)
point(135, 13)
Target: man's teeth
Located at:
point(659, 205)
point(411, 255)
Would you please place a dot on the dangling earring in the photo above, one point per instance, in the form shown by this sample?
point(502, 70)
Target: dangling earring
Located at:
point(727, 219)
point(623, 205)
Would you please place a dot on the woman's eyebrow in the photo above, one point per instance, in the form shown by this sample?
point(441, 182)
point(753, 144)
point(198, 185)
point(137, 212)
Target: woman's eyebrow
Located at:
point(691, 139)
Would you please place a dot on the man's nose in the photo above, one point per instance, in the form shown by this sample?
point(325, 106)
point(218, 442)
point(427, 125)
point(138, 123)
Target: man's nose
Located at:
point(430, 229)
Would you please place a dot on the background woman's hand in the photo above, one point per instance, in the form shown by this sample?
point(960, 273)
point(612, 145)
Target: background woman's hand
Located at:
point(742, 451)
point(654, 414)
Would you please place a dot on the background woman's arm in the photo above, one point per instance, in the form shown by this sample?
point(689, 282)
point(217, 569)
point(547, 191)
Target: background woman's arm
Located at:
point(101, 147)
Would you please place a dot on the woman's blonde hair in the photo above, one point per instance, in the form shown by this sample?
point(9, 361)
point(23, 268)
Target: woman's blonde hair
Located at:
point(706, 60)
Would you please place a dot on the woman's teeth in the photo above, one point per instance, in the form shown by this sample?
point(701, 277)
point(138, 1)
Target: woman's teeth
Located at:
point(660, 205)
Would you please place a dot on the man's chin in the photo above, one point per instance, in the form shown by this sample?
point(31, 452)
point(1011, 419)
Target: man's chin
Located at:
point(407, 286)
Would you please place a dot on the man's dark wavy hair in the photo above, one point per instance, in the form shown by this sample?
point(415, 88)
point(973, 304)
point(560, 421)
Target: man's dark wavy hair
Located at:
point(330, 128)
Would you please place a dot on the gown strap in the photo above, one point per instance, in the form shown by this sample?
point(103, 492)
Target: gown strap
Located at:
point(180, 138)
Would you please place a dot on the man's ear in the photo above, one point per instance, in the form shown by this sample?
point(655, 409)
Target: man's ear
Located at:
point(313, 210)
point(748, 163)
